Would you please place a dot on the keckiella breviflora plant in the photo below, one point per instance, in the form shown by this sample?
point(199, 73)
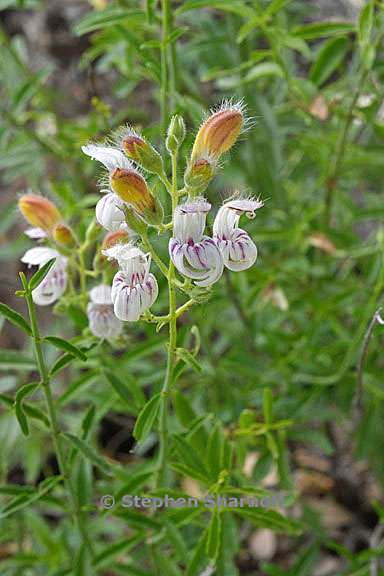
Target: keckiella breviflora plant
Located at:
point(129, 208)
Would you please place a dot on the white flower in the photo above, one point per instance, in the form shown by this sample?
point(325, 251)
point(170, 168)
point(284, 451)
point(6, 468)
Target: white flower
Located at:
point(134, 288)
point(102, 320)
point(109, 212)
point(193, 254)
point(237, 249)
point(111, 157)
point(55, 282)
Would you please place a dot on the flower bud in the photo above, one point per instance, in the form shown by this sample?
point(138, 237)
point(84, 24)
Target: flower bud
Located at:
point(176, 133)
point(112, 238)
point(140, 151)
point(121, 236)
point(63, 235)
point(39, 211)
point(198, 175)
point(131, 187)
point(219, 132)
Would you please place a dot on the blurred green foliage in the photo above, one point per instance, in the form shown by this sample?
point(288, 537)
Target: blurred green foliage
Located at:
point(293, 324)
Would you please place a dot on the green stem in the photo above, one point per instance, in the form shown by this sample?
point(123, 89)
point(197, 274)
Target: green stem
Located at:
point(171, 357)
point(54, 425)
point(165, 15)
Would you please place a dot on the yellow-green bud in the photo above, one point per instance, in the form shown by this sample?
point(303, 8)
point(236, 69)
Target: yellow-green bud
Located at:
point(198, 175)
point(63, 235)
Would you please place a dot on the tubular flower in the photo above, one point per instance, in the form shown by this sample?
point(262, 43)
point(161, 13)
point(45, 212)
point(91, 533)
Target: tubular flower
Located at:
point(54, 284)
point(102, 320)
point(134, 288)
point(39, 212)
point(193, 254)
point(126, 182)
point(236, 247)
point(219, 132)
point(109, 212)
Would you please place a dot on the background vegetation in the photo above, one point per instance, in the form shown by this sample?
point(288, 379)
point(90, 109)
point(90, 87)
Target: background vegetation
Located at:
point(290, 328)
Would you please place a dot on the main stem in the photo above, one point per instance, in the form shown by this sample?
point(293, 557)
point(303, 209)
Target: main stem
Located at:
point(45, 382)
point(168, 65)
point(171, 357)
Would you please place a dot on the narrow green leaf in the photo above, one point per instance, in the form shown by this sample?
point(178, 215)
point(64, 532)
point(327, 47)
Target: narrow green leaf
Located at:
point(365, 23)
point(146, 418)
point(215, 451)
point(22, 393)
point(24, 500)
point(189, 359)
point(89, 453)
point(61, 363)
point(15, 318)
point(187, 454)
point(41, 273)
point(183, 409)
point(214, 534)
point(67, 346)
point(121, 389)
point(263, 518)
point(36, 413)
point(198, 556)
point(329, 58)
point(321, 29)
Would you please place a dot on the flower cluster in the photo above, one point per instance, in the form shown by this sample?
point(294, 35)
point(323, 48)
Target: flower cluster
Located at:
point(129, 206)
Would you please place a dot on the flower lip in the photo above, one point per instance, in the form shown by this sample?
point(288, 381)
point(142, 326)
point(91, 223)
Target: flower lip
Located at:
point(196, 206)
point(247, 205)
point(40, 255)
point(108, 155)
point(123, 251)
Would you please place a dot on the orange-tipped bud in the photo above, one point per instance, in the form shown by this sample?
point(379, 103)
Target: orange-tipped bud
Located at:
point(132, 145)
point(112, 238)
point(62, 234)
point(142, 152)
point(39, 212)
point(131, 187)
point(219, 132)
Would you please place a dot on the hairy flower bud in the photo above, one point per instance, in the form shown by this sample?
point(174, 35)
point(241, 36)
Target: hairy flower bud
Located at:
point(219, 132)
point(62, 234)
point(131, 187)
point(141, 152)
point(198, 175)
point(176, 133)
point(39, 211)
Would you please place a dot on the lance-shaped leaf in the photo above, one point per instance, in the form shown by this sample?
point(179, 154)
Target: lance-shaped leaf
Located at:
point(89, 453)
point(41, 273)
point(22, 393)
point(67, 346)
point(15, 318)
point(146, 418)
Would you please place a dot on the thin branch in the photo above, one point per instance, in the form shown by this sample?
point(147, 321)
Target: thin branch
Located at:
point(357, 406)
